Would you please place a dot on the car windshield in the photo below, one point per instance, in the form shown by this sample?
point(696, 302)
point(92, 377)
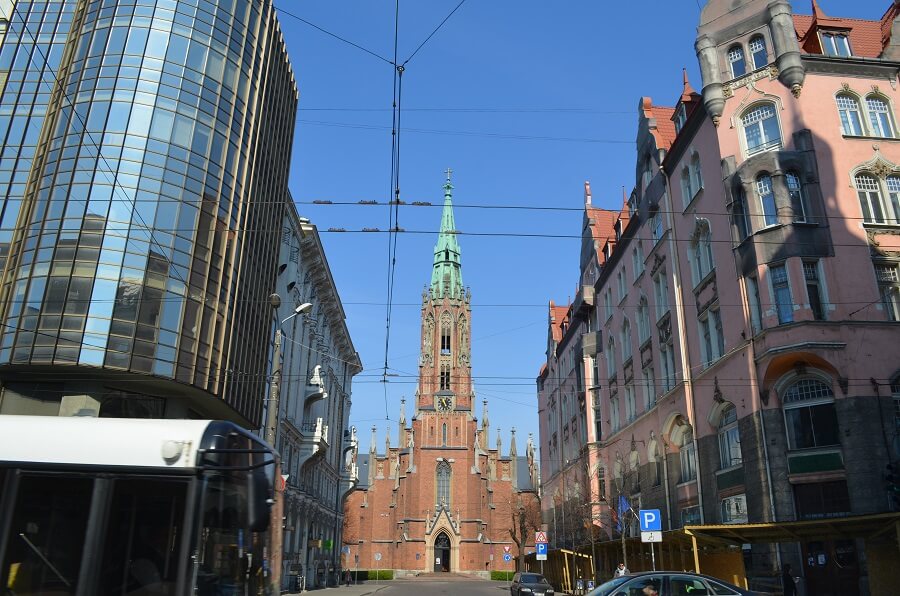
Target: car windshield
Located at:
point(531, 578)
point(604, 589)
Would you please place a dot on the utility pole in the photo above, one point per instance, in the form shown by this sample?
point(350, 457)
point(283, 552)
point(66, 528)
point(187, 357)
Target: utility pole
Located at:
point(274, 390)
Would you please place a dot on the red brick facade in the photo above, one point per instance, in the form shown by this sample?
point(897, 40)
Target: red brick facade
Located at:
point(442, 500)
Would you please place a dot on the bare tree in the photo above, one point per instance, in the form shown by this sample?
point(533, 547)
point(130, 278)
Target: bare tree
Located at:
point(525, 519)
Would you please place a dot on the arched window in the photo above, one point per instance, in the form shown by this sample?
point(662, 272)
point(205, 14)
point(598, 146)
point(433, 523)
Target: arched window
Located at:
point(739, 213)
point(701, 254)
point(729, 439)
point(871, 198)
point(443, 473)
point(761, 132)
point(795, 190)
point(687, 454)
point(848, 109)
point(758, 52)
point(445, 377)
point(611, 359)
point(643, 313)
point(766, 199)
point(614, 413)
point(445, 334)
point(696, 174)
point(687, 193)
point(626, 341)
point(809, 414)
point(880, 116)
point(737, 62)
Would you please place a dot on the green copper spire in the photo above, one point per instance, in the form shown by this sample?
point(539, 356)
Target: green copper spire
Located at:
point(446, 276)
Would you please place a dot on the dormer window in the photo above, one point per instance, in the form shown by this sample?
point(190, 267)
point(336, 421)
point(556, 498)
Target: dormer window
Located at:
point(758, 52)
point(835, 44)
point(680, 118)
point(736, 59)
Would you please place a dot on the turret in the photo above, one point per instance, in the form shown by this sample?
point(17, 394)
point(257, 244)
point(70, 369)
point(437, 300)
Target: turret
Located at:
point(485, 425)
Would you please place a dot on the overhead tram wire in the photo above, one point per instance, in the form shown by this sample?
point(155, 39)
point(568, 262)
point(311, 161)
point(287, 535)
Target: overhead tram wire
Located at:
point(393, 203)
point(436, 29)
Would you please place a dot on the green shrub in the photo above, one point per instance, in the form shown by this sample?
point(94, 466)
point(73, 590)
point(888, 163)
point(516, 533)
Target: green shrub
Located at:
point(381, 574)
point(503, 576)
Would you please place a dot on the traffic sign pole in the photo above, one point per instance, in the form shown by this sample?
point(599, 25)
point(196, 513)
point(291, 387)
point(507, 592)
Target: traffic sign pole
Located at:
point(653, 556)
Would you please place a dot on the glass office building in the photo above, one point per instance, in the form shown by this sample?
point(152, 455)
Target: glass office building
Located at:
point(143, 174)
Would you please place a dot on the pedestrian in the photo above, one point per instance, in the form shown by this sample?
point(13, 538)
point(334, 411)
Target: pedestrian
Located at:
point(788, 583)
point(621, 570)
point(347, 577)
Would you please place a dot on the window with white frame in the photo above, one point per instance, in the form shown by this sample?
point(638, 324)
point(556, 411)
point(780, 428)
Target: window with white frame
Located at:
point(848, 110)
point(737, 61)
point(880, 120)
point(637, 257)
point(754, 304)
point(889, 288)
point(795, 191)
point(630, 409)
point(656, 227)
point(761, 131)
point(815, 289)
point(739, 213)
point(701, 255)
point(734, 510)
point(620, 281)
point(712, 340)
point(614, 421)
point(766, 194)
point(680, 118)
point(696, 174)
point(781, 289)
point(667, 362)
point(758, 52)
point(626, 341)
point(871, 198)
point(687, 453)
point(609, 303)
point(835, 44)
point(810, 415)
point(687, 192)
point(729, 439)
point(643, 316)
point(649, 388)
point(661, 293)
point(611, 359)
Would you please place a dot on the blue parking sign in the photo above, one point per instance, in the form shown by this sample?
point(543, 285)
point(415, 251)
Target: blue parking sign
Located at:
point(541, 548)
point(650, 520)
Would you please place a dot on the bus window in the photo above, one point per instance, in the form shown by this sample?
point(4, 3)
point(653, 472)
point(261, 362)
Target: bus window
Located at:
point(46, 536)
point(144, 531)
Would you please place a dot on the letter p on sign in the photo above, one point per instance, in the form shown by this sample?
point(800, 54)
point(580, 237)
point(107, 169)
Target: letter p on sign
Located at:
point(650, 520)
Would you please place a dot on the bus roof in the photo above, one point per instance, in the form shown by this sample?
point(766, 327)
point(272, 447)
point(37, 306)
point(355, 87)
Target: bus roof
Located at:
point(168, 444)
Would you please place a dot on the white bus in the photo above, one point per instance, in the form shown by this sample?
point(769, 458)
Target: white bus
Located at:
point(115, 507)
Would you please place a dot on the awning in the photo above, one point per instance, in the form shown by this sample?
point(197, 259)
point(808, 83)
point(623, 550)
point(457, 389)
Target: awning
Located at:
point(836, 528)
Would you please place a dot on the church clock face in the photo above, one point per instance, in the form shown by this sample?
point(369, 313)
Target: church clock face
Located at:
point(444, 403)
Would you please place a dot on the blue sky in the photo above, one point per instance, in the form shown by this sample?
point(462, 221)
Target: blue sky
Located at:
point(524, 101)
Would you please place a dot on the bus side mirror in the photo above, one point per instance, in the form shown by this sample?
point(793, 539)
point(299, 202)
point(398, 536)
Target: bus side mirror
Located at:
point(260, 492)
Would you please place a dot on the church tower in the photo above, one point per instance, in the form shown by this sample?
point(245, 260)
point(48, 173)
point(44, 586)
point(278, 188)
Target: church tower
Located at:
point(445, 371)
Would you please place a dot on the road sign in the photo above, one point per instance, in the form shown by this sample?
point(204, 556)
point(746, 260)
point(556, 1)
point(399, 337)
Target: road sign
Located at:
point(506, 549)
point(540, 536)
point(377, 556)
point(541, 548)
point(541, 557)
point(650, 520)
point(345, 550)
point(651, 536)
point(507, 557)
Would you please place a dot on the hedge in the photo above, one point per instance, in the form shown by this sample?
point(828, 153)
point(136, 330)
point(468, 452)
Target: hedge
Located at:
point(503, 576)
point(373, 574)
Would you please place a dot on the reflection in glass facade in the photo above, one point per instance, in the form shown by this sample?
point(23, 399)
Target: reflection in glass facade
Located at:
point(145, 152)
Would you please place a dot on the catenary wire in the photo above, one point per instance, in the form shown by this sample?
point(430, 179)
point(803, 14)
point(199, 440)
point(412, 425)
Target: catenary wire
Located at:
point(436, 29)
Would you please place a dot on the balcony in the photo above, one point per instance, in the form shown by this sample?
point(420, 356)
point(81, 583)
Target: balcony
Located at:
point(314, 439)
point(315, 388)
point(584, 300)
point(591, 343)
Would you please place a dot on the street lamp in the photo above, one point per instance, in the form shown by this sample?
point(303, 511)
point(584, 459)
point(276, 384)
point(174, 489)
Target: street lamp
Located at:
point(275, 389)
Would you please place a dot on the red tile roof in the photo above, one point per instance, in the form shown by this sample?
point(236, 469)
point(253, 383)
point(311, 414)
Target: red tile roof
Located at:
point(665, 126)
point(867, 38)
point(558, 316)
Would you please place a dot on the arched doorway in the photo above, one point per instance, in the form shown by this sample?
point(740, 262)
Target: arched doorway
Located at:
point(442, 553)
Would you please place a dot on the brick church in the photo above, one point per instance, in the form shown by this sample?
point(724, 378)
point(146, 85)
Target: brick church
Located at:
point(443, 500)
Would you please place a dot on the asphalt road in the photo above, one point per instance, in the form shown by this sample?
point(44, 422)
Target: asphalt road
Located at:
point(443, 588)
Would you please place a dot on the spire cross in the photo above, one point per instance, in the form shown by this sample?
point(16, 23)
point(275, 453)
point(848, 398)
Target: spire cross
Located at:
point(449, 171)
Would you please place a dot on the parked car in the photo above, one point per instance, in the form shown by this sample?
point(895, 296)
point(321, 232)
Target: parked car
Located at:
point(669, 583)
point(530, 584)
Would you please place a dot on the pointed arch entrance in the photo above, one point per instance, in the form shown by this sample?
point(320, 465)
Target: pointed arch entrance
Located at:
point(442, 553)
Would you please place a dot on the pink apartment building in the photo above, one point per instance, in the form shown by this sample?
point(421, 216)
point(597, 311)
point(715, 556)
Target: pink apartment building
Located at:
point(732, 353)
